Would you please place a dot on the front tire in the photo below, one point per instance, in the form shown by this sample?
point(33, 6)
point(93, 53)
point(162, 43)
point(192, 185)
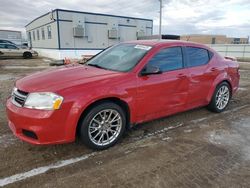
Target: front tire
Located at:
point(27, 55)
point(221, 98)
point(103, 126)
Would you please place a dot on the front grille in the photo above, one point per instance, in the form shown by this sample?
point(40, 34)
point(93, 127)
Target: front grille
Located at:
point(19, 97)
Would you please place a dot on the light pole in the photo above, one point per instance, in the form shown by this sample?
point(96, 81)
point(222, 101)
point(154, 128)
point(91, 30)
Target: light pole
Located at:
point(160, 19)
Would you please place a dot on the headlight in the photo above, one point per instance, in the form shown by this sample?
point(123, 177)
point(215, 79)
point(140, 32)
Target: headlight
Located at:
point(43, 101)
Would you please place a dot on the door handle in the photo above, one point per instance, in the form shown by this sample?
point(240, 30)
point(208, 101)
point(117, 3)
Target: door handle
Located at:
point(214, 69)
point(181, 75)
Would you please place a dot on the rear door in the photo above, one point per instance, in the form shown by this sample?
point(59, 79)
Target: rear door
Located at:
point(164, 93)
point(2, 49)
point(202, 70)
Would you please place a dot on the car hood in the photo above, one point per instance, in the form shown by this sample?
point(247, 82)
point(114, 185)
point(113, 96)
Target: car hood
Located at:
point(61, 78)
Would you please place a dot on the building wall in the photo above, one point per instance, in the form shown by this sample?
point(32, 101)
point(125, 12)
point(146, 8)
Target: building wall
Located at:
point(44, 21)
point(214, 39)
point(13, 36)
point(237, 40)
point(96, 28)
point(234, 50)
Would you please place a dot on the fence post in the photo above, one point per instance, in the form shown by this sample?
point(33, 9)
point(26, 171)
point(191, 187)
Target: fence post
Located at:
point(244, 51)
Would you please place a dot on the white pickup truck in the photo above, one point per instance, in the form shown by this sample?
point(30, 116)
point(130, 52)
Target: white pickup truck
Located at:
point(11, 50)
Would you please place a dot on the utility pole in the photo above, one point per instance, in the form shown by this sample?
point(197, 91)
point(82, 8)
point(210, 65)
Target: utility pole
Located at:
point(160, 19)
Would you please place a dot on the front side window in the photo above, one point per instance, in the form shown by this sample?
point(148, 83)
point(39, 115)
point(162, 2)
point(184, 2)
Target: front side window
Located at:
point(43, 33)
point(168, 59)
point(197, 56)
point(34, 35)
point(122, 57)
point(38, 34)
point(49, 32)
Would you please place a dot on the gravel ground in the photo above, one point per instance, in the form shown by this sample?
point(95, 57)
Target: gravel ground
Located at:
point(191, 149)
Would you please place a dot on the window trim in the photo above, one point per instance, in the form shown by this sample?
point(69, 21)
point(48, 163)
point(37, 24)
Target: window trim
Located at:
point(182, 55)
point(188, 59)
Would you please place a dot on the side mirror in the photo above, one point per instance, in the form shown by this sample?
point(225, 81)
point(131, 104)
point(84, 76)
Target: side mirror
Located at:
point(149, 69)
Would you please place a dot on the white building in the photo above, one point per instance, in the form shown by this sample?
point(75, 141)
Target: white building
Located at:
point(10, 35)
point(65, 33)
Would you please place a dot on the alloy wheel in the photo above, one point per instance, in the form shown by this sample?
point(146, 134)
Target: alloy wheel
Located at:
point(105, 127)
point(222, 97)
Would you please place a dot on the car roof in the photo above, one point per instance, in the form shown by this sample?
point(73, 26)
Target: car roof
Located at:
point(158, 42)
point(7, 43)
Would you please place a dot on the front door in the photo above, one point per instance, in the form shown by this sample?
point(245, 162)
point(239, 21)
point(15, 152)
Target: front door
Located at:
point(165, 93)
point(12, 50)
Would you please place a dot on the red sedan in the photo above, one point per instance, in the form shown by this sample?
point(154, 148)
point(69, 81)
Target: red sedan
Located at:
point(126, 84)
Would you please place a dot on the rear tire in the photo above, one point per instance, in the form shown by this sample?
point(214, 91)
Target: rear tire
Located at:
point(103, 126)
point(221, 98)
point(27, 55)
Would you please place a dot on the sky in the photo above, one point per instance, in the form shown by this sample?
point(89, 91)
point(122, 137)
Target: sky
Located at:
point(228, 17)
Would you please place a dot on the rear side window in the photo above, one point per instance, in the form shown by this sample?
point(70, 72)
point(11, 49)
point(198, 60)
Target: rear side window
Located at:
point(168, 59)
point(197, 56)
point(211, 54)
point(11, 46)
point(2, 46)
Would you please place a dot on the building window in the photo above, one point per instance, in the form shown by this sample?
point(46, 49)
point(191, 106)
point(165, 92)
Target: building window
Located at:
point(236, 41)
point(49, 31)
point(213, 40)
point(43, 33)
point(38, 34)
point(34, 35)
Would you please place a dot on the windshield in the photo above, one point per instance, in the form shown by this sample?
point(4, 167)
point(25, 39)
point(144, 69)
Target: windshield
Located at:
point(122, 57)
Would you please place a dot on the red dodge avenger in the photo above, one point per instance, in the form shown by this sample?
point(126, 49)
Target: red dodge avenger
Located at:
point(124, 85)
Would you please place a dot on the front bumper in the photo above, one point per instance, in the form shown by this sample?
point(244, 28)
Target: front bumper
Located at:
point(49, 127)
point(34, 54)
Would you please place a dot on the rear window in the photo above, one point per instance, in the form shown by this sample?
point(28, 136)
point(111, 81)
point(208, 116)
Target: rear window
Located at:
point(197, 56)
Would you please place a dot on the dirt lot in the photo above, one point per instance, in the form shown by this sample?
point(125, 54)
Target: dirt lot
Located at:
point(192, 149)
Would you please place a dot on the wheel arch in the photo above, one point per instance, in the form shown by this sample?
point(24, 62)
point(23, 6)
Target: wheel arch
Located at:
point(27, 52)
point(230, 86)
point(216, 83)
point(123, 104)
